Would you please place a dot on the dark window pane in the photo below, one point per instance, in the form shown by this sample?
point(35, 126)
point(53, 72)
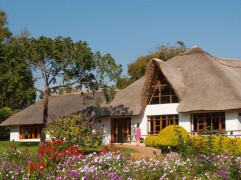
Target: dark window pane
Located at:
point(195, 124)
point(151, 128)
point(156, 93)
point(158, 129)
point(175, 99)
point(165, 99)
point(209, 121)
point(171, 122)
point(201, 127)
point(201, 120)
point(165, 90)
point(155, 100)
point(36, 133)
point(164, 124)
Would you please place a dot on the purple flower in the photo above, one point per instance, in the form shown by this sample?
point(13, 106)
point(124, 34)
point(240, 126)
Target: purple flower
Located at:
point(222, 173)
point(40, 156)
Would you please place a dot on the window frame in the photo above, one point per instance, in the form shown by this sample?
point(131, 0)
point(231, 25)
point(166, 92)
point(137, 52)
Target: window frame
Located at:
point(159, 122)
point(204, 122)
point(30, 131)
point(160, 94)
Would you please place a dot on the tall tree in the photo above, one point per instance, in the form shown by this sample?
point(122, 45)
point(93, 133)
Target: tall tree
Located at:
point(4, 114)
point(165, 52)
point(61, 63)
point(137, 69)
point(4, 31)
point(16, 84)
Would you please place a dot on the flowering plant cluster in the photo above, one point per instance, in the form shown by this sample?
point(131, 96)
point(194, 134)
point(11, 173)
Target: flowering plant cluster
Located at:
point(76, 129)
point(56, 161)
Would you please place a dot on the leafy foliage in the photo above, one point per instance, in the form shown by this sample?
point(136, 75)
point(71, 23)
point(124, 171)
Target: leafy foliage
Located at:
point(4, 31)
point(61, 63)
point(123, 82)
point(216, 144)
point(151, 141)
point(74, 130)
point(16, 90)
point(4, 114)
point(137, 69)
point(165, 52)
point(57, 162)
point(64, 66)
point(170, 135)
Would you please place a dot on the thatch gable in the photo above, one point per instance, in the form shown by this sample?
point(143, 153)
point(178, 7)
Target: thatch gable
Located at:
point(156, 69)
point(210, 85)
point(174, 77)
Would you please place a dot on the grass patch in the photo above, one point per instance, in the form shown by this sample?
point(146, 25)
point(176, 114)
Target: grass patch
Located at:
point(122, 149)
point(111, 148)
point(33, 147)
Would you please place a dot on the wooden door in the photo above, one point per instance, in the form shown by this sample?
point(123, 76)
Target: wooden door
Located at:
point(120, 129)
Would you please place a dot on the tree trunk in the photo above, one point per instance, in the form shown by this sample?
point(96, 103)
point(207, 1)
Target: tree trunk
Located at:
point(45, 118)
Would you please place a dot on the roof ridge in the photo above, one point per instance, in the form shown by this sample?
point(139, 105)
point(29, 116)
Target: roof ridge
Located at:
point(219, 60)
point(196, 49)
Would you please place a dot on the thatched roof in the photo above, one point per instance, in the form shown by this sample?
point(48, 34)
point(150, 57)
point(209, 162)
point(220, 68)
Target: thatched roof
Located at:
point(155, 69)
point(212, 84)
point(201, 82)
point(59, 105)
point(126, 102)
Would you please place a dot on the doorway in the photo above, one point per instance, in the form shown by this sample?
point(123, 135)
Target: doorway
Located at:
point(120, 129)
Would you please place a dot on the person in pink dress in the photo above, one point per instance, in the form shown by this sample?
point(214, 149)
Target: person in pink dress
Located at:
point(138, 134)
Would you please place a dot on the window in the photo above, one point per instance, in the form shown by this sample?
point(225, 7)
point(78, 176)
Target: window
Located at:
point(208, 121)
point(157, 123)
point(163, 93)
point(30, 131)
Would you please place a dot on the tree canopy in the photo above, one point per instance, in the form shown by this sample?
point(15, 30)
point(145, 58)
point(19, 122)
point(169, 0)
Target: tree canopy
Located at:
point(61, 63)
point(4, 31)
point(165, 52)
point(137, 69)
point(16, 84)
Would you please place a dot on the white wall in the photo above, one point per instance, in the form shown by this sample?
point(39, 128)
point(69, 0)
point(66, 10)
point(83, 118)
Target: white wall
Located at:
point(14, 133)
point(233, 121)
point(161, 109)
point(184, 121)
point(156, 109)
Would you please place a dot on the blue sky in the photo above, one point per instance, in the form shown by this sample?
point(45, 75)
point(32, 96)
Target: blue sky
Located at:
point(128, 29)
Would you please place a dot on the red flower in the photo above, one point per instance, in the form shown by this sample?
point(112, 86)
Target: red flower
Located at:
point(38, 167)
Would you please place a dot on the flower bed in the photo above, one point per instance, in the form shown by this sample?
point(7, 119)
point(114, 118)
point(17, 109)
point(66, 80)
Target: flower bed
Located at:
point(55, 161)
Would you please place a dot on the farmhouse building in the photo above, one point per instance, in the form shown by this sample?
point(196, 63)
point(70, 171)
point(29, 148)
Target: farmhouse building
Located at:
point(194, 89)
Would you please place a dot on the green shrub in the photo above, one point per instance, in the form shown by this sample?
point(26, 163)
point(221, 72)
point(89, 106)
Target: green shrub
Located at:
point(216, 144)
point(74, 130)
point(238, 143)
point(172, 136)
point(151, 141)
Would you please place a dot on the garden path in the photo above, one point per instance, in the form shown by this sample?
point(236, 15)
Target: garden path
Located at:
point(142, 150)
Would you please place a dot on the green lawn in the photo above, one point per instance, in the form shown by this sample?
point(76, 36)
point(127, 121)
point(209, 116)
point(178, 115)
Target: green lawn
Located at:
point(33, 147)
